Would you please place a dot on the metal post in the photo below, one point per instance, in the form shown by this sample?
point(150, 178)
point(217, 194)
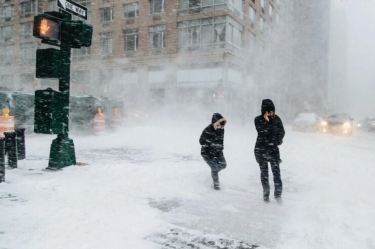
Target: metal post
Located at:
point(20, 140)
point(2, 159)
point(11, 148)
point(62, 151)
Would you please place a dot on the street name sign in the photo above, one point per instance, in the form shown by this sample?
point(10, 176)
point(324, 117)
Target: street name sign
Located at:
point(73, 8)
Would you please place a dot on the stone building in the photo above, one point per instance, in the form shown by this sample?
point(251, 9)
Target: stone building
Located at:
point(155, 50)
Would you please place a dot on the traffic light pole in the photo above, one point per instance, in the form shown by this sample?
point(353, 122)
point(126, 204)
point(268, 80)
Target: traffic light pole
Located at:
point(62, 151)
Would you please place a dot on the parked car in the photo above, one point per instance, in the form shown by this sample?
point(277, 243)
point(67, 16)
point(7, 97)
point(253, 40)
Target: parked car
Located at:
point(307, 122)
point(368, 124)
point(340, 123)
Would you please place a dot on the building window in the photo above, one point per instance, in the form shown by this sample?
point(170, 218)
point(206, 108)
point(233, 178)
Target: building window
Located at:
point(6, 33)
point(156, 36)
point(52, 5)
point(270, 9)
point(26, 82)
point(28, 52)
point(251, 43)
point(80, 82)
point(106, 41)
point(157, 6)
point(6, 82)
point(252, 14)
point(202, 34)
point(28, 8)
point(130, 39)
point(196, 6)
point(26, 30)
point(262, 3)
point(131, 10)
point(106, 14)
point(81, 53)
point(261, 23)
point(235, 36)
point(84, 2)
point(6, 55)
point(6, 13)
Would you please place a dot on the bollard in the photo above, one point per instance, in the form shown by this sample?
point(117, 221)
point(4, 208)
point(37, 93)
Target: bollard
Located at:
point(20, 140)
point(2, 159)
point(11, 148)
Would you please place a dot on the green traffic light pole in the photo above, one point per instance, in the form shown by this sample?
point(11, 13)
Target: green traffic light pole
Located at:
point(62, 153)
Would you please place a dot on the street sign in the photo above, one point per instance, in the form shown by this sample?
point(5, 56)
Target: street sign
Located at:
point(73, 7)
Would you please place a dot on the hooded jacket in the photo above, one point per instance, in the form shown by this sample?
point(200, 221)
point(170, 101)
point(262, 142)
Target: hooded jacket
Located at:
point(270, 134)
point(212, 140)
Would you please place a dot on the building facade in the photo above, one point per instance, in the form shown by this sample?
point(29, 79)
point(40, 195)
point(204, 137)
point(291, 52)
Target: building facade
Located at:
point(157, 50)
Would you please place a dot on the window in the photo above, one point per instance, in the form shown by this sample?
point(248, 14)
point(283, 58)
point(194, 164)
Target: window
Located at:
point(235, 36)
point(6, 33)
point(28, 8)
point(251, 43)
point(202, 34)
point(130, 39)
point(156, 36)
point(157, 6)
point(106, 41)
point(52, 5)
point(84, 2)
point(252, 14)
point(261, 23)
point(131, 10)
point(28, 52)
point(5, 1)
point(106, 14)
point(7, 82)
point(270, 9)
point(196, 6)
point(6, 55)
point(26, 30)
point(262, 3)
point(81, 53)
point(6, 13)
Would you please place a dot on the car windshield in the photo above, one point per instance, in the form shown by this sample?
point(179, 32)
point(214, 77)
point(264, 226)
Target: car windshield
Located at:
point(339, 116)
point(306, 117)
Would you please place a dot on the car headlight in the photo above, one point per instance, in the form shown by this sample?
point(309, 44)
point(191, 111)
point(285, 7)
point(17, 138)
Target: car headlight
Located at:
point(324, 122)
point(347, 124)
point(359, 125)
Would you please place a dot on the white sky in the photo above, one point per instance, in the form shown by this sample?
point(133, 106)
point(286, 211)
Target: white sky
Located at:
point(361, 54)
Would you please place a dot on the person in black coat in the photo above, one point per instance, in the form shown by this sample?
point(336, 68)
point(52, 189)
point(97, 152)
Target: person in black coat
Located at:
point(270, 135)
point(212, 142)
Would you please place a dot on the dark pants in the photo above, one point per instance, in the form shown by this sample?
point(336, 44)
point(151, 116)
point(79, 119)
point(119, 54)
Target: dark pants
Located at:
point(276, 178)
point(216, 164)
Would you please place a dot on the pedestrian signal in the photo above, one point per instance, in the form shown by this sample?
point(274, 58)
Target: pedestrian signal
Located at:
point(46, 28)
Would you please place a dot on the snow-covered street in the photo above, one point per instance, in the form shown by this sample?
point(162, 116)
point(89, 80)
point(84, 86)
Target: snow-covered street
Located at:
point(148, 187)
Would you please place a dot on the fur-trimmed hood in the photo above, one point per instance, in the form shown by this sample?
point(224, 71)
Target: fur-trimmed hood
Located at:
point(217, 119)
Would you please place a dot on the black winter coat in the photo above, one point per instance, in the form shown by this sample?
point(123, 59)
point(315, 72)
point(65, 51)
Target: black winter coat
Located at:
point(270, 135)
point(212, 140)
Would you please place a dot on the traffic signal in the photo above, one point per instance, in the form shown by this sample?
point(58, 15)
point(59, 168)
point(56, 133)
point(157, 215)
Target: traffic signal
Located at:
point(49, 63)
point(46, 28)
point(76, 34)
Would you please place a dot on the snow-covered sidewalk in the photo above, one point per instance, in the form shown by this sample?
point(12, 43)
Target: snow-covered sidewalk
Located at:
point(147, 187)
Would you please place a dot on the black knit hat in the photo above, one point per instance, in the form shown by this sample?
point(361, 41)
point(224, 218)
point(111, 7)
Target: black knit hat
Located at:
point(267, 106)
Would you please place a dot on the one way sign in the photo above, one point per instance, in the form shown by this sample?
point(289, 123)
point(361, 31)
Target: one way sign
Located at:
point(72, 7)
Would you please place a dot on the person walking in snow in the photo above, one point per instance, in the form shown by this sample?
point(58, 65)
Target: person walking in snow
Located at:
point(212, 142)
point(270, 135)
